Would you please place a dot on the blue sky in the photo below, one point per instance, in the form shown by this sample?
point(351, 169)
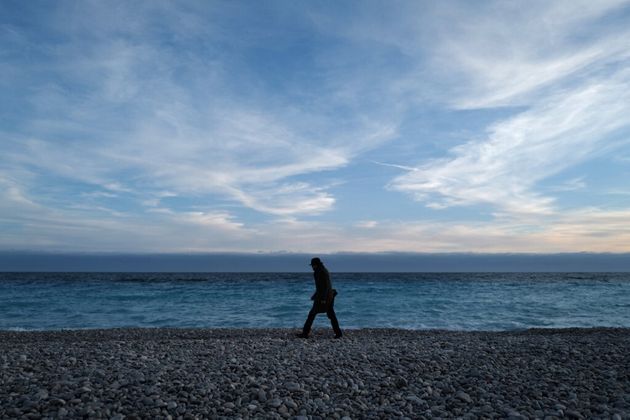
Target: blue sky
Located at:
point(315, 126)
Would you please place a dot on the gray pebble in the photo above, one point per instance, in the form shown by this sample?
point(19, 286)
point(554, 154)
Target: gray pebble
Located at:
point(463, 396)
point(275, 403)
point(292, 386)
point(262, 396)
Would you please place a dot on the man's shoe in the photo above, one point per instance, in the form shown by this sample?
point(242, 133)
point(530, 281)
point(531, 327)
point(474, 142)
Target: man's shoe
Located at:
point(302, 335)
point(338, 335)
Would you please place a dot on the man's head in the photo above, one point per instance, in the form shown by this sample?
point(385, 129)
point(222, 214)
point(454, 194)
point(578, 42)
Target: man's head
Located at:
point(316, 262)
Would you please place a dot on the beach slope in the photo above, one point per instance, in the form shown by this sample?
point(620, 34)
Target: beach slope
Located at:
point(268, 373)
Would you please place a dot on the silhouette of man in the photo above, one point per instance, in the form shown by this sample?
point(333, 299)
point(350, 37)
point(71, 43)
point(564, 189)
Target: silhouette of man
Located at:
point(323, 299)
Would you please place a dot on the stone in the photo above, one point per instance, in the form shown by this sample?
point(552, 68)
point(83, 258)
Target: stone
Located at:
point(463, 396)
point(275, 403)
point(414, 399)
point(292, 386)
point(515, 415)
point(400, 382)
point(42, 394)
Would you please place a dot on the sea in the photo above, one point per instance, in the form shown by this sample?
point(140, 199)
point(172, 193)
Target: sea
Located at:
point(449, 301)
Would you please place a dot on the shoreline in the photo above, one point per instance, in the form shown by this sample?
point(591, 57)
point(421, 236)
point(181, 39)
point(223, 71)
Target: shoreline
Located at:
point(268, 373)
point(234, 331)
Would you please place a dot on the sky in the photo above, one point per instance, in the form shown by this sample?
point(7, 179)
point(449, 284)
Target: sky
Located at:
point(304, 127)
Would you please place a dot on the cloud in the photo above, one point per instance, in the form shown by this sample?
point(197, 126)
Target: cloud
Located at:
point(27, 225)
point(503, 168)
point(573, 184)
point(166, 127)
point(152, 115)
point(502, 54)
point(367, 224)
point(575, 93)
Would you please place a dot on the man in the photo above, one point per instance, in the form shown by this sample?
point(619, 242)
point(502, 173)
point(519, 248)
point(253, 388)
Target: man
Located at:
point(323, 299)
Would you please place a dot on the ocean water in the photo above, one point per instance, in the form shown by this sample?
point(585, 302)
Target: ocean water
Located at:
point(464, 301)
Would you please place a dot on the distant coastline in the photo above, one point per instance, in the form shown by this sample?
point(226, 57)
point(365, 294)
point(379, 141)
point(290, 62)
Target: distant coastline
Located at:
point(23, 261)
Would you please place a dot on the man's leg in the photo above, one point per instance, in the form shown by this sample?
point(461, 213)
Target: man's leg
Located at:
point(333, 319)
point(309, 321)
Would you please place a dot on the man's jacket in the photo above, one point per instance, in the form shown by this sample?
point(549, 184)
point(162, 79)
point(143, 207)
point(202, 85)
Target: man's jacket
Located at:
point(324, 291)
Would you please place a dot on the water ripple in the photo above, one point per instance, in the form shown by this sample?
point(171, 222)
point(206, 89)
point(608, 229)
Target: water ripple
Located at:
point(462, 301)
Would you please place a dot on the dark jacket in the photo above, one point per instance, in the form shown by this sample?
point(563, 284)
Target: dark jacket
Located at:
point(322, 282)
point(324, 291)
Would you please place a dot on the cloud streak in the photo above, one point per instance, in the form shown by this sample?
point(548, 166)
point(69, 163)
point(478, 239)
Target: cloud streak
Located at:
point(164, 120)
point(504, 168)
point(575, 93)
point(170, 120)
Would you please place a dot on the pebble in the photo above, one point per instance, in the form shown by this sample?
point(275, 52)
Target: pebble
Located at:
point(266, 373)
point(292, 386)
point(275, 403)
point(463, 396)
point(400, 382)
point(42, 394)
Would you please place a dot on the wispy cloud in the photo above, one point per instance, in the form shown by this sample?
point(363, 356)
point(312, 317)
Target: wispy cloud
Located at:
point(573, 184)
point(166, 127)
point(576, 93)
point(168, 118)
point(27, 225)
point(504, 168)
point(502, 54)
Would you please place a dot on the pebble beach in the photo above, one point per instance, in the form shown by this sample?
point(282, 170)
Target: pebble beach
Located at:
point(269, 373)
